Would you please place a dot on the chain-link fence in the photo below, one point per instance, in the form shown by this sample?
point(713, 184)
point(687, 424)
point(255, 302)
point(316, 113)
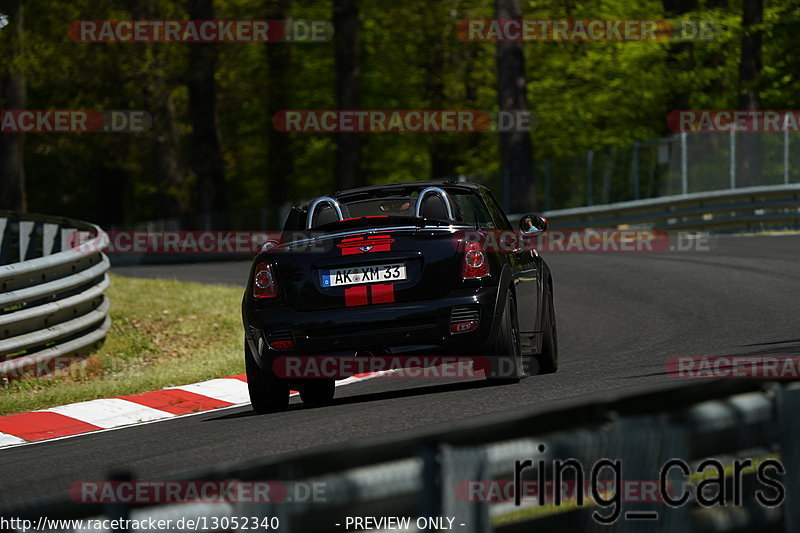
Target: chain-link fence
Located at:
point(681, 164)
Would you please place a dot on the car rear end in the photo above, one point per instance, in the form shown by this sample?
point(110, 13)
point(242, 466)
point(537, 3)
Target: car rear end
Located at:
point(373, 291)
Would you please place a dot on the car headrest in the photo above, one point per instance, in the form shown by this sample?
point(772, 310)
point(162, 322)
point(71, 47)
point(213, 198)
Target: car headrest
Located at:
point(433, 207)
point(325, 215)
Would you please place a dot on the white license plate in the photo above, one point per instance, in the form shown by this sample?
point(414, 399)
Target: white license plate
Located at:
point(337, 277)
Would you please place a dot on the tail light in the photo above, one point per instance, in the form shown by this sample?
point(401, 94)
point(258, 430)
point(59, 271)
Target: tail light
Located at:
point(264, 285)
point(475, 264)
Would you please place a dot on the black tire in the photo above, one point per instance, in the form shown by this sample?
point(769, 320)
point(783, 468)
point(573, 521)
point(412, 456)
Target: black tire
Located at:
point(548, 358)
point(268, 394)
point(505, 361)
point(317, 392)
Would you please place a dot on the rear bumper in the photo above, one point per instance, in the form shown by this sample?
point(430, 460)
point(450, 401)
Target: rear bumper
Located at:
point(418, 328)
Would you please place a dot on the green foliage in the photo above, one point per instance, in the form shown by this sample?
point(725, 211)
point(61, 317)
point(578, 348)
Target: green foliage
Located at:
point(586, 95)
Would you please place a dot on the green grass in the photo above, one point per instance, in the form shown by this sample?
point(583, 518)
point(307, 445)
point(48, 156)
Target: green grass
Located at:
point(163, 333)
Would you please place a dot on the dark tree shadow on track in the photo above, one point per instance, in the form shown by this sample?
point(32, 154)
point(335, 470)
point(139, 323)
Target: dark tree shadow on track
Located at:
point(791, 347)
point(796, 341)
point(648, 375)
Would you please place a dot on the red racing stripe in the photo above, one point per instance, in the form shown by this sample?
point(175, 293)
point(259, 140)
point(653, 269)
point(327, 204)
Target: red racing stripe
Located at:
point(176, 401)
point(382, 293)
point(355, 296)
point(43, 425)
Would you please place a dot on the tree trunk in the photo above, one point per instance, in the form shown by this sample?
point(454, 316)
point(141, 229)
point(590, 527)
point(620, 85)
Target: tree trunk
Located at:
point(470, 56)
point(442, 164)
point(168, 165)
point(348, 90)
point(516, 151)
point(280, 156)
point(205, 153)
point(610, 153)
point(168, 162)
point(680, 57)
point(13, 91)
point(750, 171)
point(750, 64)
point(113, 199)
point(679, 54)
point(436, 33)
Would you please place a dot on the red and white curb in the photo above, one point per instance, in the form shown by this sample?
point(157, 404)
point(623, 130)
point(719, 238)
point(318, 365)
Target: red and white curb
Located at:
point(110, 413)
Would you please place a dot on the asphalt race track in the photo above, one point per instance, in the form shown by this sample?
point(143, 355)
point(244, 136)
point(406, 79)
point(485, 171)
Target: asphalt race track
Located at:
point(620, 317)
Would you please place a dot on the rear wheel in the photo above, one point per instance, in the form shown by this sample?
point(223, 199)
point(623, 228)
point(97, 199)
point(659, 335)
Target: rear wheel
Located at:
point(505, 362)
point(317, 392)
point(548, 358)
point(268, 394)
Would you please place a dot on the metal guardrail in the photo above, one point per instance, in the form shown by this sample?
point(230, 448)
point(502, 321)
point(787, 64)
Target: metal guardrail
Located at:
point(51, 293)
point(420, 475)
point(745, 209)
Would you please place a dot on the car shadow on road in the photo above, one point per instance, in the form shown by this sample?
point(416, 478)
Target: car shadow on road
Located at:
point(373, 397)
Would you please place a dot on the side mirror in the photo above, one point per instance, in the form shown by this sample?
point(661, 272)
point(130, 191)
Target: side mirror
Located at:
point(263, 247)
point(532, 224)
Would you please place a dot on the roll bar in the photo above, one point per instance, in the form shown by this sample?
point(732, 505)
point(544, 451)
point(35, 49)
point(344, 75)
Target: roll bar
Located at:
point(323, 200)
point(438, 192)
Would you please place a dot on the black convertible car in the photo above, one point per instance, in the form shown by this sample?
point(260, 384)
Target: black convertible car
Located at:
point(429, 268)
